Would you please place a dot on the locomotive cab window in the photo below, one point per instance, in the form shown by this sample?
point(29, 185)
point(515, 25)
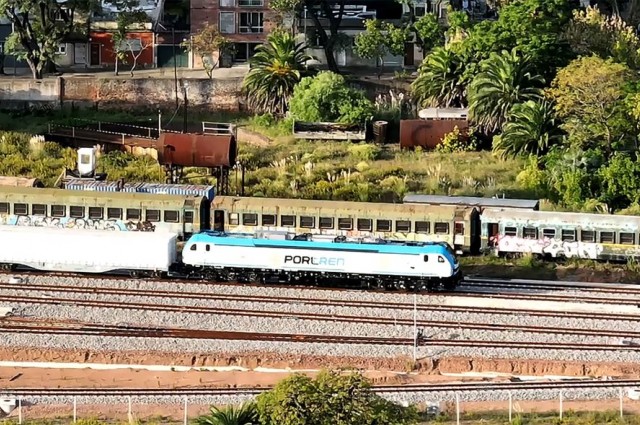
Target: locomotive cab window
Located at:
point(288, 220)
point(383, 225)
point(549, 233)
point(422, 226)
point(365, 224)
point(95, 213)
point(307, 222)
point(58, 210)
point(194, 247)
point(441, 228)
point(440, 259)
point(249, 219)
point(568, 235)
point(38, 209)
point(587, 236)
point(268, 219)
point(326, 222)
point(76, 212)
point(607, 237)
point(20, 209)
point(234, 219)
point(511, 231)
point(426, 258)
point(530, 233)
point(627, 238)
point(403, 226)
point(171, 216)
point(207, 247)
point(114, 213)
point(4, 208)
point(134, 214)
point(152, 215)
point(345, 224)
point(188, 216)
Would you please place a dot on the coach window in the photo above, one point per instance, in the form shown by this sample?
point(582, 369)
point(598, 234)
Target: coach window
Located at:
point(38, 209)
point(96, 213)
point(152, 216)
point(365, 224)
point(307, 222)
point(134, 214)
point(114, 213)
point(234, 219)
point(568, 235)
point(188, 217)
point(288, 220)
point(440, 259)
point(268, 219)
point(58, 210)
point(627, 238)
point(442, 228)
point(171, 216)
point(345, 224)
point(549, 233)
point(403, 226)
point(511, 231)
point(383, 225)
point(422, 226)
point(76, 212)
point(249, 219)
point(4, 208)
point(326, 222)
point(587, 236)
point(20, 209)
point(607, 237)
point(530, 233)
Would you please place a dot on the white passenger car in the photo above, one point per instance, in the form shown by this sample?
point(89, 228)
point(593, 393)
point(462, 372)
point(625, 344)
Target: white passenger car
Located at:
point(87, 251)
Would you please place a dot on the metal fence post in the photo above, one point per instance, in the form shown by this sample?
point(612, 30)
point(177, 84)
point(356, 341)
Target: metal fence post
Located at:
point(129, 397)
point(75, 409)
point(457, 409)
point(73, 131)
point(123, 138)
point(185, 411)
point(99, 125)
point(415, 327)
point(19, 410)
point(510, 406)
point(560, 404)
point(621, 412)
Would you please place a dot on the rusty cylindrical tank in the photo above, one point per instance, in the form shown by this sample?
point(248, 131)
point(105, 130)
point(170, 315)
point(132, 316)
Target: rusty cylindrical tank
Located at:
point(197, 150)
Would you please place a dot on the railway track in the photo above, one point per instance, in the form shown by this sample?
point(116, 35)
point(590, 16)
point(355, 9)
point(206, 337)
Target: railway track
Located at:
point(519, 284)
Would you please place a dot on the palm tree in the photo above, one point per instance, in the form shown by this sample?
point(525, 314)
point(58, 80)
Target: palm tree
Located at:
point(530, 128)
point(504, 80)
point(275, 70)
point(244, 414)
point(439, 82)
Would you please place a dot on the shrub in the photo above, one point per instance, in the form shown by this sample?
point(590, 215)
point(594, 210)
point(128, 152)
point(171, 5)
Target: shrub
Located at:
point(454, 141)
point(365, 152)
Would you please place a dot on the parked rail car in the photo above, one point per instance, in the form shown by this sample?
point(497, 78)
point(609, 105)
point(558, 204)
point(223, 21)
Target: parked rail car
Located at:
point(455, 225)
point(469, 201)
point(561, 235)
point(183, 215)
point(376, 265)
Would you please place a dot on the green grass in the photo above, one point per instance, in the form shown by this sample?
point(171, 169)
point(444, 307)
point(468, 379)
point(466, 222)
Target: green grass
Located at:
point(541, 418)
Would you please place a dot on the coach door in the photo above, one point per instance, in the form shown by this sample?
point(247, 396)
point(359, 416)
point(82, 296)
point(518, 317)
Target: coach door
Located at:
point(218, 220)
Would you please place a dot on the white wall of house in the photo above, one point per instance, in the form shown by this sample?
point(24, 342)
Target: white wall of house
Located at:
point(72, 54)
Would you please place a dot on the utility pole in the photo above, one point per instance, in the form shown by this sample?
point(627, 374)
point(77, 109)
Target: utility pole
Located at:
point(415, 327)
point(185, 86)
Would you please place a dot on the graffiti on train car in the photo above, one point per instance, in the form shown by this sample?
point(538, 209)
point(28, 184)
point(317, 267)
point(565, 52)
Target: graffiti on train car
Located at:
point(551, 246)
point(77, 223)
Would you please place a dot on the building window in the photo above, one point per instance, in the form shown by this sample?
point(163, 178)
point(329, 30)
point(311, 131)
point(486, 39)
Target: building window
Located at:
point(227, 22)
point(251, 22)
point(227, 3)
point(62, 49)
point(250, 3)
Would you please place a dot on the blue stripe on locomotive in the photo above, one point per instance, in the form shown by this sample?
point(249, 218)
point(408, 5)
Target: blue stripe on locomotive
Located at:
point(230, 240)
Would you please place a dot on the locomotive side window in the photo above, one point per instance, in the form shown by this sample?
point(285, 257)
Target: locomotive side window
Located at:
point(95, 213)
point(587, 236)
point(207, 247)
point(511, 231)
point(607, 237)
point(458, 228)
point(188, 216)
point(194, 247)
point(234, 219)
point(58, 210)
point(627, 238)
point(549, 233)
point(403, 226)
point(345, 224)
point(422, 226)
point(288, 220)
point(326, 222)
point(114, 213)
point(440, 259)
point(4, 208)
point(365, 224)
point(152, 215)
point(383, 225)
point(38, 209)
point(20, 209)
point(268, 219)
point(530, 233)
point(568, 235)
point(76, 212)
point(442, 228)
point(426, 258)
point(307, 222)
point(171, 216)
point(134, 214)
point(249, 219)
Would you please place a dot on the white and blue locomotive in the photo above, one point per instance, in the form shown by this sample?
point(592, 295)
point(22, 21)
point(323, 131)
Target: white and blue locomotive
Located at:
point(377, 265)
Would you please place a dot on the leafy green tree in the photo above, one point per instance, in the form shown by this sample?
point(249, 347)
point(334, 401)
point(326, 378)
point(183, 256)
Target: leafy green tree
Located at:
point(592, 32)
point(40, 26)
point(330, 399)
point(245, 414)
point(504, 80)
point(589, 96)
point(378, 39)
point(620, 181)
point(429, 33)
point(210, 45)
point(531, 127)
point(276, 68)
point(326, 97)
point(129, 16)
point(440, 80)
